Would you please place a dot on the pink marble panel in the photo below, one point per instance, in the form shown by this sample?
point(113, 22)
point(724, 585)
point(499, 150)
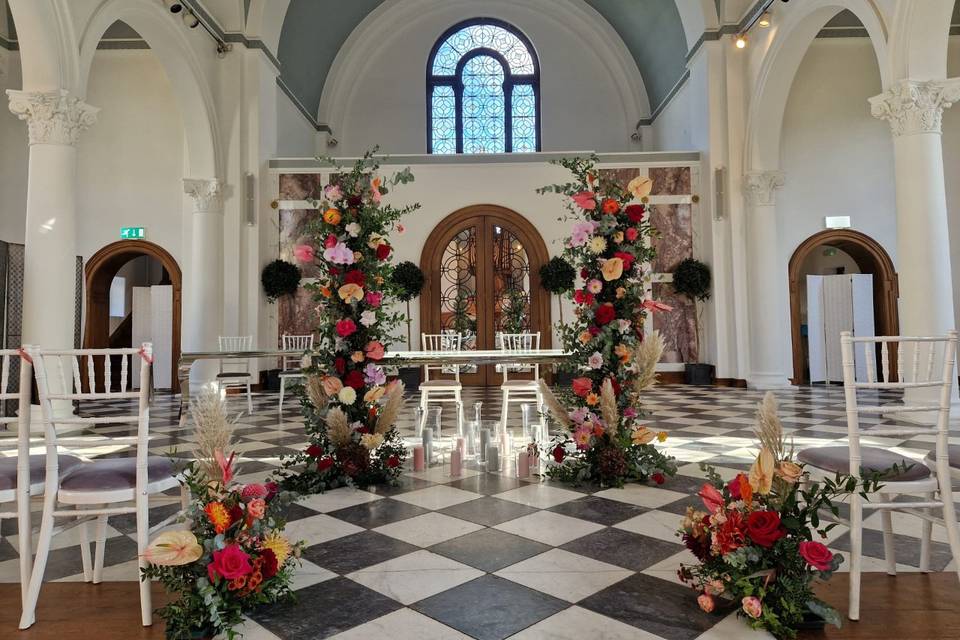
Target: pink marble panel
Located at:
point(297, 314)
point(670, 181)
point(301, 186)
point(678, 327)
point(675, 240)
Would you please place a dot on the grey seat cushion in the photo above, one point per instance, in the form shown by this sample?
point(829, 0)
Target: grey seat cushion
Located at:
point(953, 453)
point(873, 460)
point(38, 470)
point(114, 474)
point(440, 383)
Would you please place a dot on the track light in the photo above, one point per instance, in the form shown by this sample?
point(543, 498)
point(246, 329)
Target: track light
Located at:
point(764, 20)
point(741, 41)
point(190, 19)
point(173, 6)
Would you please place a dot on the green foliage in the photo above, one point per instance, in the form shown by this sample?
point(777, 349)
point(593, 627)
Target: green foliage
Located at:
point(692, 279)
point(409, 280)
point(280, 278)
point(557, 275)
point(515, 315)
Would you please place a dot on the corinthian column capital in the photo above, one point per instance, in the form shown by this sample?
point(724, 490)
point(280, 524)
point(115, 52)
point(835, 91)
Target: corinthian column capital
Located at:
point(760, 187)
point(207, 194)
point(913, 107)
point(53, 117)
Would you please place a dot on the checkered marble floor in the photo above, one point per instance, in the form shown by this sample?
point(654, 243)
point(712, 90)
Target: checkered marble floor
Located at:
point(488, 555)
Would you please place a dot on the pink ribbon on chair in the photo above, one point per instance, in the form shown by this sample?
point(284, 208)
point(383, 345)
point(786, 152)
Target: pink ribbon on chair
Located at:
point(24, 355)
point(143, 354)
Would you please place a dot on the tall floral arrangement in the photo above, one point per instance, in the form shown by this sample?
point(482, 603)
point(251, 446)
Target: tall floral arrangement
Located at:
point(349, 408)
point(756, 539)
point(234, 556)
point(604, 436)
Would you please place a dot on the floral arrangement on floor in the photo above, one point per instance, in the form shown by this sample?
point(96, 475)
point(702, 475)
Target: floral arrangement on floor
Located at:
point(349, 409)
point(755, 541)
point(605, 439)
point(234, 557)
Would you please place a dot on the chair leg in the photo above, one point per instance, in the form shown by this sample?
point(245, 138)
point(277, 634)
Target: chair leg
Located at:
point(100, 549)
point(856, 554)
point(85, 551)
point(889, 552)
point(143, 531)
point(27, 616)
point(283, 386)
point(950, 521)
point(925, 537)
point(24, 535)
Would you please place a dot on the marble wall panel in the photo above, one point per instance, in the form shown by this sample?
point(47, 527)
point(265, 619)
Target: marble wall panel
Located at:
point(675, 240)
point(297, 315)
point(293, 231)
point(670, 181)
point(678, 327)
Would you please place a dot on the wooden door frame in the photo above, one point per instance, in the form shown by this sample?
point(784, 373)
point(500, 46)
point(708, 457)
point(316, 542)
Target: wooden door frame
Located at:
point(871, 257)
point(99, 272)
point(533, 244)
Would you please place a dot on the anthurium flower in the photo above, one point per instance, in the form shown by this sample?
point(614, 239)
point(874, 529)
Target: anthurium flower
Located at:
point(612, 269)
point(303, 253)
point(331, 385)
point(331, 216)
point(375, 350)
point(654, 305)
point(350, 293)
point(761, 473)
point(173, 549)
point(640, 187)
point(642, 435)
point(585, 200)
point(374, 394)
point(712, 498)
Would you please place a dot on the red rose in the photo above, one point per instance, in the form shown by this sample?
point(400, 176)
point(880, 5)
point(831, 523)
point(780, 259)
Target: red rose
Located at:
point(559, 453)
point(324, 463)
point(658, 478)
point(605, 314)
point(582, 297)
point(584, 273)
point(269, 564)
point(355, 276)
point(594, 330)
point(354, 379)
point(817, 555)
point(383, 251)
point(314, 451)
point(610, 206)
point(393, 462)
point(330, 242)
point(340, 364)
point(764, 528)
point(635, 212)
point(346, 327)
point(627, 259)
point(582, 386)
point(230, 562)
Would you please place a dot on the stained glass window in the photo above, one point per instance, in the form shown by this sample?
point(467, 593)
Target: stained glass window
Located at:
point(483, 91)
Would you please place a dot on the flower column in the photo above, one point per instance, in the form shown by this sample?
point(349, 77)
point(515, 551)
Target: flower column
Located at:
point(55, 120)
point(766, 283)
point(914, 110)
point(204, 312)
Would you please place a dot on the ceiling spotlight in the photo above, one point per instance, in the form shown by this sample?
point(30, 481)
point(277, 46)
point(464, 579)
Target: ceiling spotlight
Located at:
point(190, 19)
point(173, 6)
point(764, 20)
point(741, 41)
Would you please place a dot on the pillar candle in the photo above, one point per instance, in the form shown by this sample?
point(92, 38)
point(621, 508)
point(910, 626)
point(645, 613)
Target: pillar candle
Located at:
point(523, 465)
point(493, 457)
point(418, 457)
point(427, 436)
point(484, 444)
point(456, 461)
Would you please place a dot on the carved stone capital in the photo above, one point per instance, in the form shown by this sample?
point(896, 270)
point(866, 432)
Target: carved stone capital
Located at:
point(207, 194)
point(53, 117)
point(760, 187)
point(913, 107)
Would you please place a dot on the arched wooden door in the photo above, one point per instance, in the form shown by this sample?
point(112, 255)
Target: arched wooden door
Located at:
point(482, 267)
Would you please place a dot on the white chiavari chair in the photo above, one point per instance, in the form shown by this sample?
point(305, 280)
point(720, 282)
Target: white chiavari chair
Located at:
point(21, 474)
point(101, 488)
point(925, 374)
point(236, 374)
point(440, 390)
point(291, 365)
point(518, 391)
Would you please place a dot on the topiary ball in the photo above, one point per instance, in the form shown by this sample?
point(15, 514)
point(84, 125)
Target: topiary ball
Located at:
point(280, 278)
point(692, 278)
point(409, 280)
point(557, 275)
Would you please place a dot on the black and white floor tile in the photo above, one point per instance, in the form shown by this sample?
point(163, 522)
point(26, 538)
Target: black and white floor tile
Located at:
point(488, 555)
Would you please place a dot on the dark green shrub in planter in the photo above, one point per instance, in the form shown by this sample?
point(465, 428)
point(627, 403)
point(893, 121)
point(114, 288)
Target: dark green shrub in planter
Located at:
point(408, 282)
point(692, 279)
point(557, 276)
point(280, 278)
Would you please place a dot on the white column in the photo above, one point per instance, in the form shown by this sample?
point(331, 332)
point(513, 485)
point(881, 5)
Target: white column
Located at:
point(914, 110)
point(203, 315)
point(766, 284)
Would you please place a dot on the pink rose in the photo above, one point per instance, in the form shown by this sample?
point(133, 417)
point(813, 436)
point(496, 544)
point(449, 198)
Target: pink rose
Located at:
point(817, 555)
point(229, 563)
point(752, 606)
point(374, 298)
point(375, 350)
point(346, 327)
point(303, 253)
point(256, 508)
point(706, 602)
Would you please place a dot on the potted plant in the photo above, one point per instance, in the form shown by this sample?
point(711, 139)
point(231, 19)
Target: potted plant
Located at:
point(557, 276)
point(691, 278)
point(408, 279)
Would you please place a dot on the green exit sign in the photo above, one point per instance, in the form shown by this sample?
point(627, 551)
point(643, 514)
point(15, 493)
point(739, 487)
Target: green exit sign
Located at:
point(133, 233)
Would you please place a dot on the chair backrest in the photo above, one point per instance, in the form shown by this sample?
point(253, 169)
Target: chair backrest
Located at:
point(300, 344)
point(924, 374)
point(56, 387)
point(513, 342)
point(449, 341)
point(235, 343)
point(21, 394)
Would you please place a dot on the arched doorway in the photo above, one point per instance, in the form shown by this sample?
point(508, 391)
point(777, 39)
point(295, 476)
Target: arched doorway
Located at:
point(870, 258)
point(99, 273)
point(482, 267)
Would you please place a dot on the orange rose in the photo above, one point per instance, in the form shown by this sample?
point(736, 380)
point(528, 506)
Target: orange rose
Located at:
point(331, 216)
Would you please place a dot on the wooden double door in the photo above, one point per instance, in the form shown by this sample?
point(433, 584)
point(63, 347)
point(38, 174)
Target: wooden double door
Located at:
point(482, 267)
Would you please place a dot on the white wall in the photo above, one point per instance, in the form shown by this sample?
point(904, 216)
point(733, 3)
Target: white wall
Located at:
point(13, 157)
point(951, 169)
point(296, 137)
point(672, 129)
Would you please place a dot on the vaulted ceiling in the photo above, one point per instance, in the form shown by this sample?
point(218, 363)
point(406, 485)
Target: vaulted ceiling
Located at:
point(315, 30)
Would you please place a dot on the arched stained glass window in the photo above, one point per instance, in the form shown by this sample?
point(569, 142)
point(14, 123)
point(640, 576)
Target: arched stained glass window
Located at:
point(483, 90)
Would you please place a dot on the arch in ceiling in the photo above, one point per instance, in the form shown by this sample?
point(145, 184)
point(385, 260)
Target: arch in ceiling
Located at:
point(190, 86)
point(919, 38)
point(48, 57)
point(654, 33)
point(789, 43)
